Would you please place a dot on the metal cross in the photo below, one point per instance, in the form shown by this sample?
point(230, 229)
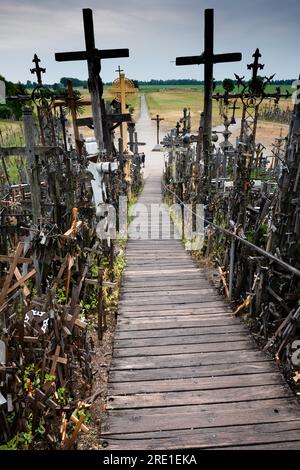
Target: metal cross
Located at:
point(157, 119)
point(208, 58)
point(37, 70)
point(255, 66)
point(119, 70)
point(93, 57)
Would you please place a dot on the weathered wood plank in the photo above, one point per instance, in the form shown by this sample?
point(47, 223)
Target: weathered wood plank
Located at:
point(197, 397)
point(187, 417)
point(211, 370)
point(188, 359)
point(180, 332)
point(195, 383)
point(179, 340)
point(244, 345)
point(213, 437)
point(175, 322)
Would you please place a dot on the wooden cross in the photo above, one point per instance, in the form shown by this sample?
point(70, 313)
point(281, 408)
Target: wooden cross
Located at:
point(37, 70)
point(208, 58)
point(234, 108)
point(14, 271)
point(93, 57)
point(55, 360)
point(122, 88)
point(157, 119)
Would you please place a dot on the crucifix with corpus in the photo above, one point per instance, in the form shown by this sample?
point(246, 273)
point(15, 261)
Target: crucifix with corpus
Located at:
point(208, 58)
point(93, 57)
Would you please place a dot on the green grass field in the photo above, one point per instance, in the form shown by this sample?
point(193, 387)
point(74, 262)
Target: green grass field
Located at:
point(169, 102)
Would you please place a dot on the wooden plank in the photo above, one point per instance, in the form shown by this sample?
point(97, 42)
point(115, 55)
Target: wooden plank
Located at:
point(213, 437)
point(137, 289)
point(188, 359)
point(244, 345)
point(195, 383)
point(186, 417)
point(168, 334)
point(167, 293)
point(133, 324)
point(211, 370)
point(197, 397)
point(179, 340)
point(175, 302)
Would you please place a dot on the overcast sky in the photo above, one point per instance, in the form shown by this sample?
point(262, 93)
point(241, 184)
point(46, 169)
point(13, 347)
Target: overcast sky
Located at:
point(155, 31)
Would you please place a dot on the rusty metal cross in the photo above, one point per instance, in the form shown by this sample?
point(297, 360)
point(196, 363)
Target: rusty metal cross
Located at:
point(93, 57)
point(208, 58)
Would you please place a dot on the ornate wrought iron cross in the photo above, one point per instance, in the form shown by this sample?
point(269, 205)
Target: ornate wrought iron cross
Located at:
point(37, 70)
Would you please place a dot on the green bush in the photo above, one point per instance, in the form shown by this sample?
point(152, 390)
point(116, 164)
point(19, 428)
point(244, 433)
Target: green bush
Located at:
point(5, 112)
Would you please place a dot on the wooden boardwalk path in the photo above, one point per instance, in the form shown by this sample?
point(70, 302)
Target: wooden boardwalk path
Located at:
point(185, 372)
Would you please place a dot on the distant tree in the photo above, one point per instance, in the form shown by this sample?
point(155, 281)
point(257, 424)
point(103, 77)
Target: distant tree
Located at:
point(13, 89)
point(75, 81)
point(228, 84)
point(5, 112)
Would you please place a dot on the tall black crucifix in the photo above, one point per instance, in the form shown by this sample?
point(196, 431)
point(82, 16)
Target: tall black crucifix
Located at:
point(157, 119)
point(208, 58)
point(93, 57)
point(37, 70)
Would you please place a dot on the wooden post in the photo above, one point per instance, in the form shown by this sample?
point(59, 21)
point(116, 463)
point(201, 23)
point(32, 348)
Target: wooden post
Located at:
point(32, 166)
point(100, 304)
point(72, 108)
point(123, 110)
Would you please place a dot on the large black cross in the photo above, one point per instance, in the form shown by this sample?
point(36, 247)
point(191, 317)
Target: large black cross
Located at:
point(208, 58)
point(93, 57)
